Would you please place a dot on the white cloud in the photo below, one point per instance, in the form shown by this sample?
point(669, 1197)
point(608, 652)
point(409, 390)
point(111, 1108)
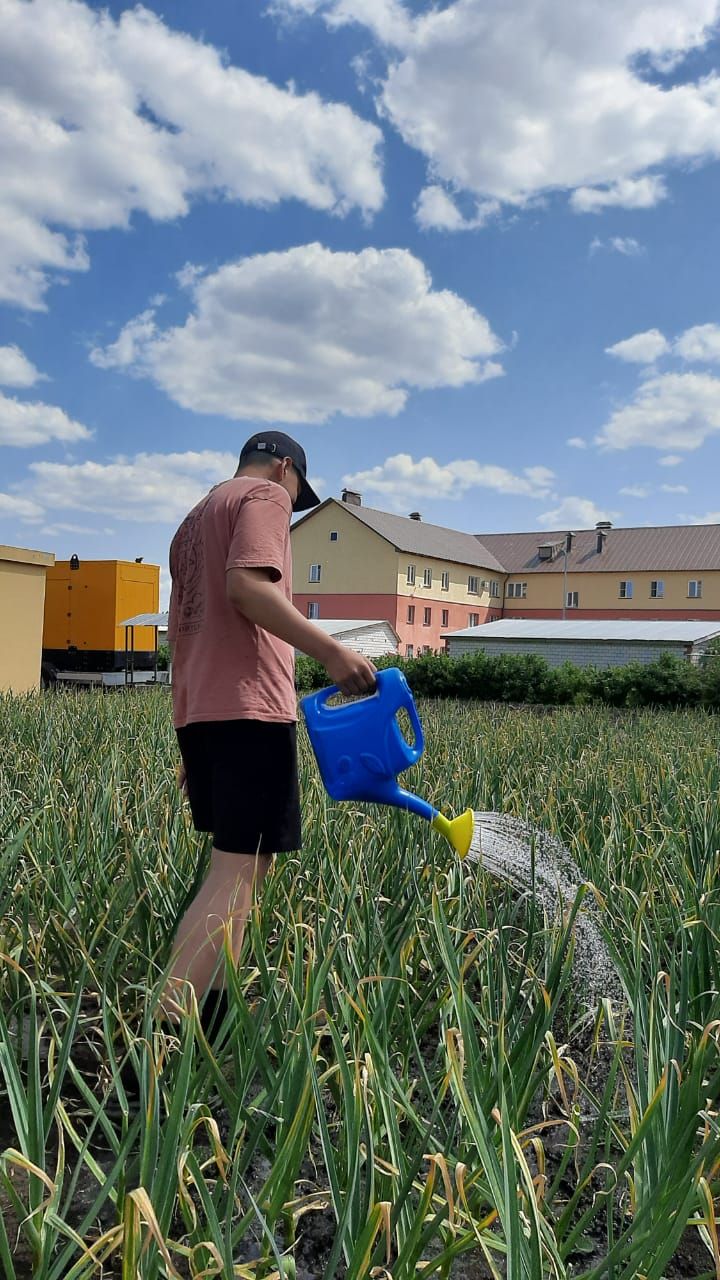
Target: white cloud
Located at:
point(624, 245)
point(701, 344)
point(54, 530)
point(20, 508)
point(710, 517)
point(669, 411)
point(101, 119)
point(635, 491)
point(575, 513)
point(674, 488)
point(576, 442)
point(641, 348)
point(401, 480)
point(148, 487)
point(436, 211)
point(670, 460)
point(16, 370)
point(509, 101)
point(301, 335)
point(25, 423)
point(628, 193)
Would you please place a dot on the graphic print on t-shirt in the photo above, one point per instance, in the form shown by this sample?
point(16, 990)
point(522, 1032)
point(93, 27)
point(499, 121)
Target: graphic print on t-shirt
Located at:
point(187, 567)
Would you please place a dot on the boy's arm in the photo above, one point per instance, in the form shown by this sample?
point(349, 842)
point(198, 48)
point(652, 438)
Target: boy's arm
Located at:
point(254, 594)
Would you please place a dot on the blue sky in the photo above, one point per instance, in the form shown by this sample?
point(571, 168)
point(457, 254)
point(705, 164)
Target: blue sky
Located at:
point(466, 255)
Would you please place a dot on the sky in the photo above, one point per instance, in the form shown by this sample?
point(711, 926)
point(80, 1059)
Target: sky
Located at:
point(466, 253)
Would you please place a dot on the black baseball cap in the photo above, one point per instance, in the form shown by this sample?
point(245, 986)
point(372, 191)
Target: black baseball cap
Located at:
point(282, 446)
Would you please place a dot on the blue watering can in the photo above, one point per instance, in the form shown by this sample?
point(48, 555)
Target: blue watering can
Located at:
point(360, 750)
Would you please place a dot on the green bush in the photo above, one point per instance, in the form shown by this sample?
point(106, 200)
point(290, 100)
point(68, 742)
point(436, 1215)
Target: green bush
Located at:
point(526, 678)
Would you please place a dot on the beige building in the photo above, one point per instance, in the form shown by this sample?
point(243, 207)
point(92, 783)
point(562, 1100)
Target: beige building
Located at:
point(22, 602)
point(352, 561)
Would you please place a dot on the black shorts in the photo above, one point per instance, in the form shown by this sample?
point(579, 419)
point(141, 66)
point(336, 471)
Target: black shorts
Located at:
point(242, 783)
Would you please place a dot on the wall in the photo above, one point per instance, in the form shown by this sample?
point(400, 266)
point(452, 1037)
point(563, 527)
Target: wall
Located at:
point(582, 653)
point(360, 561)
point(22, 596)
point(599, 595)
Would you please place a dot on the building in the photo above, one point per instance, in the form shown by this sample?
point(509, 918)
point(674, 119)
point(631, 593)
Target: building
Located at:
point(22, 593)
point(354, 562)
point(371, 637)
point(585, 643)
point(666, 572)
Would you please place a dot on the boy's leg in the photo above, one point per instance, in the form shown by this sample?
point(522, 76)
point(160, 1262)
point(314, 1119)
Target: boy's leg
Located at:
point(221, 905)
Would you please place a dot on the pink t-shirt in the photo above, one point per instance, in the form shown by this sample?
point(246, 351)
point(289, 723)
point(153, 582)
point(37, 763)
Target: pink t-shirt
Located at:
point(224, 667)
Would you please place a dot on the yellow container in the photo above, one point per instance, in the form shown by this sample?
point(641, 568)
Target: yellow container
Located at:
point(84, 605)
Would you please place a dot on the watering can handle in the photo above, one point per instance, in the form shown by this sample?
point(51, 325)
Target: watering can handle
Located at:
point(411, 753)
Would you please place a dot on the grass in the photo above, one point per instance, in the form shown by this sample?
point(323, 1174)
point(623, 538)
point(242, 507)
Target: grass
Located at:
point(409, 1082)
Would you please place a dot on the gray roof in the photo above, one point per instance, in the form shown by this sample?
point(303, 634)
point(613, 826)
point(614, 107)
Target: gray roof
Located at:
point(420, 539)
point(691, 547)
point(145, 620)
point(586, 629)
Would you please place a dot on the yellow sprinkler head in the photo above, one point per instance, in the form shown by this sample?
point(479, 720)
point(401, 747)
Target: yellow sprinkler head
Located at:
point(458, 831)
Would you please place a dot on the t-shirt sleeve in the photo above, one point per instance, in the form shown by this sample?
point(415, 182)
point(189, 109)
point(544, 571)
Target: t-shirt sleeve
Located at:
point(259, 533)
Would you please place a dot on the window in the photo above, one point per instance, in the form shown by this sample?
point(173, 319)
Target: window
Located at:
point(333, 535)
point(427, 617)
point(474, 586)
point(427, 648)
point(516, 590)
point(446, 618)
point(411, 614)
point(473, 619)
point(313, 610)
point(410, 579)
point(494, 588)
point(626, 589)
point(657, 589)
point(446, 580)
point(427, 577)
point(695, 588)
point(572, 600)
point(409, 651)
point(314, 573)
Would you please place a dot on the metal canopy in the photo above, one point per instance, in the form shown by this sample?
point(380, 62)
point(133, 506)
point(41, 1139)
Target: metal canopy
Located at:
point(146, 620)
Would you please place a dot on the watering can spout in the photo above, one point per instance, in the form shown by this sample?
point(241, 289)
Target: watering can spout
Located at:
point(459, 831)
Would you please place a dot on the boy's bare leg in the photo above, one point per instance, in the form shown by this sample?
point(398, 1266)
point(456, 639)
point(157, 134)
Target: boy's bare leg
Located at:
point(224, 898)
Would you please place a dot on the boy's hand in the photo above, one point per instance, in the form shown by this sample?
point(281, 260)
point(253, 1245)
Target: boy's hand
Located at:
point(350, 671)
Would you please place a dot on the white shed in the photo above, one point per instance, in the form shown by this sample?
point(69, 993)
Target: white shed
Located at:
point(585, 642)
point(373, 638)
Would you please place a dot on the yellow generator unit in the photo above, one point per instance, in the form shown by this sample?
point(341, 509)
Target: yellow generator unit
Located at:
point(84, 602)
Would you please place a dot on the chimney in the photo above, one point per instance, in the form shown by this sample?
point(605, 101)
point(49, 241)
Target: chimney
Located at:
point(415, 515)
point(352, 498)
point(602, 527)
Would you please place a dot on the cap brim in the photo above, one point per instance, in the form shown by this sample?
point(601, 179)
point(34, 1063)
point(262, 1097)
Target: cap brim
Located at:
point(307, 497)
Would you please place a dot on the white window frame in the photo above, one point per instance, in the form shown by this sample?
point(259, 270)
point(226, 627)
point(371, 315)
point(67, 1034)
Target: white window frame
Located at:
point(473, 590)
point(410, 576)
point(427, 648)
point(427, 616)
point(333, 535)
point(411, 615)
point(495, 589)
point(573, 600)
point(427, 577)
point(445, 615)
point(446, 580)
point(313, 610)
point(409, 651)
point(473, 619)
point(657, 589)
point(516, 590)
point(694, 588)
point(626, 588)
point(315, 572)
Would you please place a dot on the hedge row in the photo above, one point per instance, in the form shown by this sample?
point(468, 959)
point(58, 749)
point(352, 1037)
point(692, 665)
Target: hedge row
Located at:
point(669, 682)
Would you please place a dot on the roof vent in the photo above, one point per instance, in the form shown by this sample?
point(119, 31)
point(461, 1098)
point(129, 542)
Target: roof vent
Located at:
point(602, 527)
point(352, 498)
point(415, 515)
point(546, 550)
point(604, 524)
